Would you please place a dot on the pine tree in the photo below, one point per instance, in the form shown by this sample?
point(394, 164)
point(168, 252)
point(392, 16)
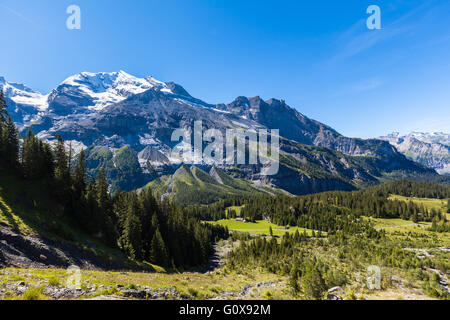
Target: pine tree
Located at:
point(158, 253)
point(313, 283)
point(293, 280)
point(103, 197)
point(62, 171)
point(32, 158)
point(131, 237)
point(9, 143)
point(80, 175)
point(89, 216)
point(448, 206)
point(3, 112)
point(105, 207)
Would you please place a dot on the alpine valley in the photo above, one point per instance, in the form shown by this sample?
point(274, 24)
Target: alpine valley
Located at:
point(91, 194)
point(125, 123)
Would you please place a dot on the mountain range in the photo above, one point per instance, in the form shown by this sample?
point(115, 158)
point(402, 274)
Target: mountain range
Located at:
point(430, 149)
point(125, 123)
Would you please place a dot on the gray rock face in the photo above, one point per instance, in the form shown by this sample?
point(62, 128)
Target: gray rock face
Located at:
point(22, 251)
point(112, 110)
point(431, 150)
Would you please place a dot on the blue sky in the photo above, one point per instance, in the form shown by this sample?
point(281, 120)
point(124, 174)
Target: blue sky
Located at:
point(319, 55)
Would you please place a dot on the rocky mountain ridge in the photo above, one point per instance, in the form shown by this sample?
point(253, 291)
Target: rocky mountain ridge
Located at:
point(126, 123)
point(429, 149)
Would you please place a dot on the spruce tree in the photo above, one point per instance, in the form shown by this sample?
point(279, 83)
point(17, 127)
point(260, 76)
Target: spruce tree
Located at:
point(131, 238)
point(103, 197)
point(62, 172)
point(9, 143)
point(105, 208)
point(313, 283)
point(158, 253)
point(32, 165)
point(3, 112)
point(80, 175)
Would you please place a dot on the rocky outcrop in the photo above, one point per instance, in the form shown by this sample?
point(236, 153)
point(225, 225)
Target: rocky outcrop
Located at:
point(431, 150)
point(17, 250)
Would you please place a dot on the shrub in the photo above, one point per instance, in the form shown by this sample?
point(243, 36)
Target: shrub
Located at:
point(54, 282)
point(34, 294)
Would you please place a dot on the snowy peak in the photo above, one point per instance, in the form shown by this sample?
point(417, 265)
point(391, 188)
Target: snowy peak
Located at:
point(430, 149)
point(425, 137)
point(96, 91)
point(23, 95)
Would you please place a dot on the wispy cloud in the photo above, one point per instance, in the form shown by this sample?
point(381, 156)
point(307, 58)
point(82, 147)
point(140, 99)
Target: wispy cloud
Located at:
point(19, 15)
point(358, 38)
point(366, 85)
point(360, 86)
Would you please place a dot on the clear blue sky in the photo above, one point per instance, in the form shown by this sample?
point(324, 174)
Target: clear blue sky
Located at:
point(317, 55)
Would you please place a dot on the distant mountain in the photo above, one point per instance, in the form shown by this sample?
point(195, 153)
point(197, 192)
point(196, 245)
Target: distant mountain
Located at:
point(126, 123)
point(430, 149)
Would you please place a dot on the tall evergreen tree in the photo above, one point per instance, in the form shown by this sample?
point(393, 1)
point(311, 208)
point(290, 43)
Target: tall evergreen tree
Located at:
point(158, 253)
point(32, 157)
point(9, 143)
point(80, 175)
point(103, 197)
point(131, 238)
point(105, 207)
point(62, 176)
point(3, 112)
point(62, 171)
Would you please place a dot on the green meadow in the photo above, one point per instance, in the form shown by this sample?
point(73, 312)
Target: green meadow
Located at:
point(260, 227)
point(428, 203)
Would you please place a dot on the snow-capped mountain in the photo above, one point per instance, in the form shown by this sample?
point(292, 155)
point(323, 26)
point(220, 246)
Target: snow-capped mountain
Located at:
point(95, 91)
point(105, 112)
point(24, 103)
point(435, 137)
point(22, 95)
point(430, 149)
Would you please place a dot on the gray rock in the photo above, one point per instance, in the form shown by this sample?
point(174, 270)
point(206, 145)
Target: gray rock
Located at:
point(137, 294)
point(333, 297)
point(336, 291)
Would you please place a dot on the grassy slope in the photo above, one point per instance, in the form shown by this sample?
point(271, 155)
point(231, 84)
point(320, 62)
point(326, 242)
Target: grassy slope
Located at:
point(201, 286)
point(27, 208)
point(193, 185)
point(437, 204)
point(260, 227)
point(191, 285)
point(237, 209)
point(402, 229)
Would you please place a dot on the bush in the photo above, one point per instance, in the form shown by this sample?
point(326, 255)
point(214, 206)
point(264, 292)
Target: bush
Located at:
point(54, 282)
point(34, 294)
